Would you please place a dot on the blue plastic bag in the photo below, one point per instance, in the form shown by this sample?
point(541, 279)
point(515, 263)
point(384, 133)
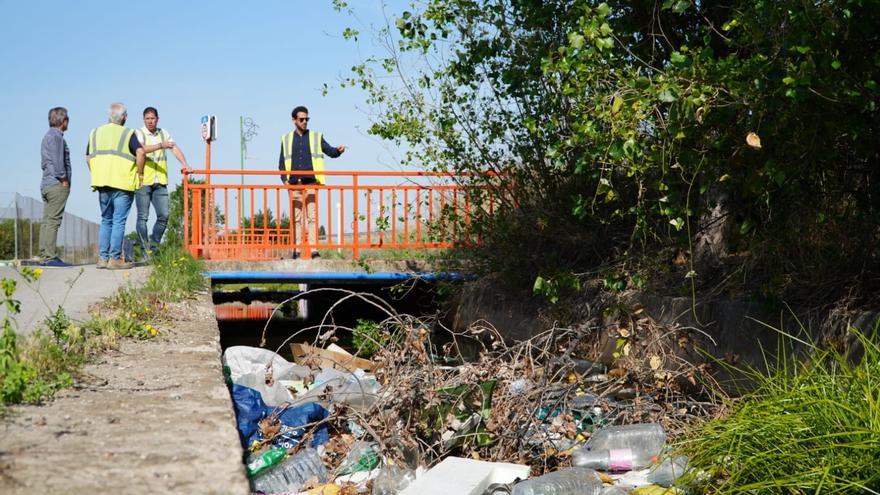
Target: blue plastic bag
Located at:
point(250, 409)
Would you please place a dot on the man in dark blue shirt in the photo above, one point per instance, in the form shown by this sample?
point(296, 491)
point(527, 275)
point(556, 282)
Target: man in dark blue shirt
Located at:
point(304, 150)
point(55, 185)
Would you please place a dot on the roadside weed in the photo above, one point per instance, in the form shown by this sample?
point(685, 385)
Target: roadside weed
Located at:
point(811, 426)
point(46, 360)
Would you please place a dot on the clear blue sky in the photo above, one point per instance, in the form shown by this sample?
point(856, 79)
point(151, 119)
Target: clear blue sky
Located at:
point(228, 58)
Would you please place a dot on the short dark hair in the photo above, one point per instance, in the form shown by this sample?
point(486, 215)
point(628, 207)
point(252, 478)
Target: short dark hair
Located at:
point(298, 110)
point(57, 116)
point(151, 110)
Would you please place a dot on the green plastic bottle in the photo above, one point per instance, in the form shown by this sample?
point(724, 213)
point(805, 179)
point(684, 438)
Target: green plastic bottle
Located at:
point(265, 461)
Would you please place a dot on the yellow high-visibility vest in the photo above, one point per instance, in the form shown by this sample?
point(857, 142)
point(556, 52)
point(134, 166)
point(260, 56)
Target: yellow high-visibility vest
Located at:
point(314, 147)
point(155, 163)
point(110, 161)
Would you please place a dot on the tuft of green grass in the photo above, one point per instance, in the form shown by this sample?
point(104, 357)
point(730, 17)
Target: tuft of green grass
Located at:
point(811, 426)
point(175, 275)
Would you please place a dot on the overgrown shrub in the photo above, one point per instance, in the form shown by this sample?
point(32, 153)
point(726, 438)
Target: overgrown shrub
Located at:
point(740, 134)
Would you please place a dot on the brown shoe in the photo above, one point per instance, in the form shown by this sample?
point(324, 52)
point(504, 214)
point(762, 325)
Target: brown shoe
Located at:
point(101, 264)
point(118, 264)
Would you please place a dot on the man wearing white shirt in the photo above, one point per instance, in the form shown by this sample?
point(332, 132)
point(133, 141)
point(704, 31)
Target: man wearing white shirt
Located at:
point(153, 179)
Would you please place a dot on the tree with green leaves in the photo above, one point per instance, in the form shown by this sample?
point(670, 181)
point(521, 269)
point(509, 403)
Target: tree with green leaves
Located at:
point(739, 133)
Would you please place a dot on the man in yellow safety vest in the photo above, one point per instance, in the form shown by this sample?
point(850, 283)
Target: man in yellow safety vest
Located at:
point(303, 150)
point(155, 141)
point(116, 162)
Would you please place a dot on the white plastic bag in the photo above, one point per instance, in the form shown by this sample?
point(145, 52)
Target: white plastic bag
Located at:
point(355, 389)
point(253, 367)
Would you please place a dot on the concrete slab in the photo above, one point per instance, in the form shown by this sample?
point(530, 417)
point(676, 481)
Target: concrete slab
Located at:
point(75, 288)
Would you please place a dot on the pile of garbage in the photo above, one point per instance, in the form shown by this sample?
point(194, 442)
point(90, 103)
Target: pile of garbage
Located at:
point(528, 418)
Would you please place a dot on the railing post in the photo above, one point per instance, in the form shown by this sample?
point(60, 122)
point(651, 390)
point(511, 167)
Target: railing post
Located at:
point(187, 244)
point(197, 222)
point(339, 228)
point(306, 193)
point(354, 228)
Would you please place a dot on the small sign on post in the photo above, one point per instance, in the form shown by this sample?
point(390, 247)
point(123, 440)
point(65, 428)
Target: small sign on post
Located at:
point(209, 128)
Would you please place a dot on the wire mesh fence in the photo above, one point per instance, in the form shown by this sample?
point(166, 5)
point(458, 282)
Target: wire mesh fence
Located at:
point(20, 221)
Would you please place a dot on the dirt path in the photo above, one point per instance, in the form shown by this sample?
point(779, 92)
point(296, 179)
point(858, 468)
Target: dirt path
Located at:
point(152, 417)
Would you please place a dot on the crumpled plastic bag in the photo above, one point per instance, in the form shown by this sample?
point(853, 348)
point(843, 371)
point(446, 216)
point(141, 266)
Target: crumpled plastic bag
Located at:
point(354, 389)
point(250, 409)
point(249, 366)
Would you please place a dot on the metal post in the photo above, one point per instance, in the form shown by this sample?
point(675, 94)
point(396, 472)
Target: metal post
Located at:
point(207, 224)
point(31, 232)
point(187, 244)
point(355, 228)
point(339, 223)
point(247, 129)
point(242, 151)
point(15, 225)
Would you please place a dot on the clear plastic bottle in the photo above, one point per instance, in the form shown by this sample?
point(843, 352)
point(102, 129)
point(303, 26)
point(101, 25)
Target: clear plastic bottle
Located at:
point(292, 473)
point(392, 479)
point(571, 481)
point(361, 456)
point(643, 441)
point(665, 473)
point(603, 460)
point(265, 461)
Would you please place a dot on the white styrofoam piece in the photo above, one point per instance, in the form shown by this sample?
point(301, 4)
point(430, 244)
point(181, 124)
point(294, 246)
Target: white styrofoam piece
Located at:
point(460, 476)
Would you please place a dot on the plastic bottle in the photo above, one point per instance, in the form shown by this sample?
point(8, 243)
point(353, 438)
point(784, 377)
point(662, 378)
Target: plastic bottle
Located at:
point(665, 473)
point(292, 473)
point(361, 457)
point(644, 442)
point(571, 481)
point(356, 390)
point(265, 461)
point(392, 479)
point(603, 460)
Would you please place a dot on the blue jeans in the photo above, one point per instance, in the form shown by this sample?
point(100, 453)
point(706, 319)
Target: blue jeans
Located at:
point(158, 195)
point(115, 204)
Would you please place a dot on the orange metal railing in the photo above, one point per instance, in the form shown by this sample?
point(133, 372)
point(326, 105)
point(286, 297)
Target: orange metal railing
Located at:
point(253, 311)
point(355, 212)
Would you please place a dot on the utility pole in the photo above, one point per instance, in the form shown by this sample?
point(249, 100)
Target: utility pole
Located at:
point(247, 129)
